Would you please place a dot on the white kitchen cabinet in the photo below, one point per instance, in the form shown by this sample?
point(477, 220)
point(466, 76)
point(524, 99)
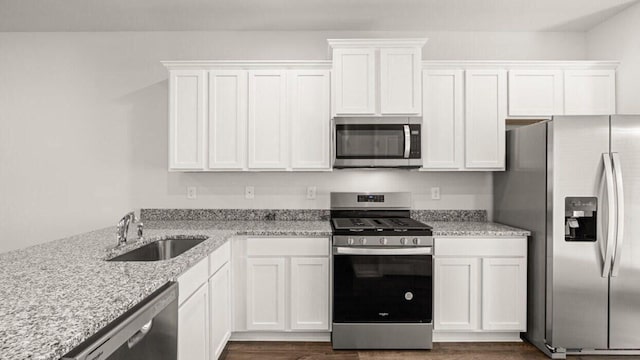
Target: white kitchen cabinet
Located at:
point(186, 119)
point(220, 307)
point(504, 288)
point(456, 293)
point(310, 119)
point(480, 288)
point(443, 119)
point(589, 92)
point(265, 294)
point(376, 77)
point(193, 326)
point(309, 299)
point(400, 89)
point(354, 81)
point(536, 92)
point(268, 145)
point(227, 119)
point(485, 115)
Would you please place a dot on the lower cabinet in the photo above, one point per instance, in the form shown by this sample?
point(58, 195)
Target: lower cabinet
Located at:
point(220, 307)
point(204, 309)
point(193, 326)
point(283, 285)
point(480, 286)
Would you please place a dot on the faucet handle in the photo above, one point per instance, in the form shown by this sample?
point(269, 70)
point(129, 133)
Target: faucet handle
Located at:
point(140, 230)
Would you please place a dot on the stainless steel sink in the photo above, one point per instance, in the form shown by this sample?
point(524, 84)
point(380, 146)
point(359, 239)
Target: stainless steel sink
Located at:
point(160, 250)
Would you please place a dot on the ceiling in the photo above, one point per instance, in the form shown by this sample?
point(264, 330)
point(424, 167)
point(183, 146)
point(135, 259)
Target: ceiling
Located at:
point(300, 15)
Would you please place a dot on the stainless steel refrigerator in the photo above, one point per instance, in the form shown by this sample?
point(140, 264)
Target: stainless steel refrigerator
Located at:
point(574, 181)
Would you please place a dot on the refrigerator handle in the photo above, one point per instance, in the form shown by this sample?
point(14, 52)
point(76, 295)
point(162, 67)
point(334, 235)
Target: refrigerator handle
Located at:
point(608, 172)
point(617, 168)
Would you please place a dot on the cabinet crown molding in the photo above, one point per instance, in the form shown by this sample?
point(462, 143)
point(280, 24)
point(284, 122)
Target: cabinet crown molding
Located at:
point(378, 43)
point(521, 64)
point(245, 64)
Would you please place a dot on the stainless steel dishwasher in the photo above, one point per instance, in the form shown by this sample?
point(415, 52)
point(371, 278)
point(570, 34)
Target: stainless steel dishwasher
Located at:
point(147, 331)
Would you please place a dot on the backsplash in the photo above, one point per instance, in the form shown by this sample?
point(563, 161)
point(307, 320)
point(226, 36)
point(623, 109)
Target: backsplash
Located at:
point(293, 214)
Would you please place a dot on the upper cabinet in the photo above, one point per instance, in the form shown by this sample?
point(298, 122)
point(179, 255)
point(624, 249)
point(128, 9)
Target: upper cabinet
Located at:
point(535, 92)
point(377, 77)
point(589, 92)
point(255, 116)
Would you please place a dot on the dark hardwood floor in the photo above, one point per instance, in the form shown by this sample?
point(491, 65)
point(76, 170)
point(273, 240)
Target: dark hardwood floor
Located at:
point(441, 351)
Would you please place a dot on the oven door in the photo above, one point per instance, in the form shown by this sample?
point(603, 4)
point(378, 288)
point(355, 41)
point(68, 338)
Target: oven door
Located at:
point(377, 144)
point(380, 285)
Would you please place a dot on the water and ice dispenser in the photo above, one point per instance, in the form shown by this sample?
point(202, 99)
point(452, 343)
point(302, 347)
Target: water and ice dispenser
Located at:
point(580, 218)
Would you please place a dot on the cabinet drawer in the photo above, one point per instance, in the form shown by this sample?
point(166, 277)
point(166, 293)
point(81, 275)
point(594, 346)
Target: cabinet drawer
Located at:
point(288, 247)
point(190, 280)
point(219, 257)
point(480, 247)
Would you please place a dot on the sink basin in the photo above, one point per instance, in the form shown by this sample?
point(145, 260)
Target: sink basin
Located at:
point(160, 250)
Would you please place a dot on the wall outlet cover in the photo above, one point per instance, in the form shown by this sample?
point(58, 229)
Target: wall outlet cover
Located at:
point(249, 192)
point(192, 192)
point(311, 193)
point(435, 193)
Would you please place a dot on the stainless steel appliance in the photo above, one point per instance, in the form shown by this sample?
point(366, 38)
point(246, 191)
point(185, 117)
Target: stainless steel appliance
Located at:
point(574, 181)
point(382, 273)
point(148, 331)
point(377, 142)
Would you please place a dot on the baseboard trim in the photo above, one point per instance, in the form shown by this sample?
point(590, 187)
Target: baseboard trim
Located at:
point(280, 336)
point(456, 336)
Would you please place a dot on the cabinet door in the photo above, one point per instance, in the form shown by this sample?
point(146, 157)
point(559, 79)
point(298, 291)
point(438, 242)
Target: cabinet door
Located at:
point(504, 294)
point(442, 123)
point(265, 294)
point(589, 92)
point(193, 326)
point(354, 81)
point(220, 292)
point(309, 294)
point(227, 119)
point(535, 93)
point(267, 119)
point(310, 119)
point(456, 293)
point(186, 119)
point(485, 113)
point(400, 89)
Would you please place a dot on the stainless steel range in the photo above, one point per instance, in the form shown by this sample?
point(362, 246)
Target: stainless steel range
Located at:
point(382, 273)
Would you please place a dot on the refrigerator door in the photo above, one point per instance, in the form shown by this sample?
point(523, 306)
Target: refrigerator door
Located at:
point(577, 293)
point(624, 326)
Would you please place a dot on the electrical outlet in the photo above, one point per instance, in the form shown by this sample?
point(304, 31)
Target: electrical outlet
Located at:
point(192, 192)
point(311, 192)
point(435, 193)
point(249, 192)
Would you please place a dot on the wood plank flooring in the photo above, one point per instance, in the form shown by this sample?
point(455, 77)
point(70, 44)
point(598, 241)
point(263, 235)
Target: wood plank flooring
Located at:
point(441, 351)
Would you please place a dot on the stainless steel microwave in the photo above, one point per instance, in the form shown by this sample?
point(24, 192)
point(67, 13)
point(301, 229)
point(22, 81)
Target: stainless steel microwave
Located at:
point(392, 142)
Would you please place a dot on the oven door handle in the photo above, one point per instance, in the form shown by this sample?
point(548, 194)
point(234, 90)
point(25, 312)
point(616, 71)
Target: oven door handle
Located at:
point(427, 250)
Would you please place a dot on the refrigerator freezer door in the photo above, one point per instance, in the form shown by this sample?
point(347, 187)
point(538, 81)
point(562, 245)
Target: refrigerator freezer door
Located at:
point(625, 289)
point(577, 303)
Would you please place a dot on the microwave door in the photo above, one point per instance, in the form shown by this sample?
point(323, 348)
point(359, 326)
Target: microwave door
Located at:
point(372, 145)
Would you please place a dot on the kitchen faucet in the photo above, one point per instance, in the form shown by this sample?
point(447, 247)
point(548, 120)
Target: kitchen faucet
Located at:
point(123, 227)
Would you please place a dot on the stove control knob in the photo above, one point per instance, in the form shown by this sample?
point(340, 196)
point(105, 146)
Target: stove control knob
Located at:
point(383, 241)
point(403, 241)
point(416, 241)
point(363, 241)
point(350, 241)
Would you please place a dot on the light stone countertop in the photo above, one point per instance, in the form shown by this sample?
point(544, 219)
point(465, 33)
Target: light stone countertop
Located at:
point(55, 295)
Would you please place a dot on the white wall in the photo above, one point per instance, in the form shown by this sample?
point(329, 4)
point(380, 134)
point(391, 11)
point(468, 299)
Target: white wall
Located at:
point(618, 38)
point(83, 126)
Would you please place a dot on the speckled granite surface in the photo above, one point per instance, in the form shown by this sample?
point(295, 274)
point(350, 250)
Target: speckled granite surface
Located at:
point(55, 295)
point(474, 228)
point(449, 215)
point(235, 214)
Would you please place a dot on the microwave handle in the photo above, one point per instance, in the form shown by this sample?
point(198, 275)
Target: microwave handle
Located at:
point(407, 141)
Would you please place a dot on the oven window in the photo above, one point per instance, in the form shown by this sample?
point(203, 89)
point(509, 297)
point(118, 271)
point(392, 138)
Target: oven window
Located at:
point(382, 288)
point(369, 141)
